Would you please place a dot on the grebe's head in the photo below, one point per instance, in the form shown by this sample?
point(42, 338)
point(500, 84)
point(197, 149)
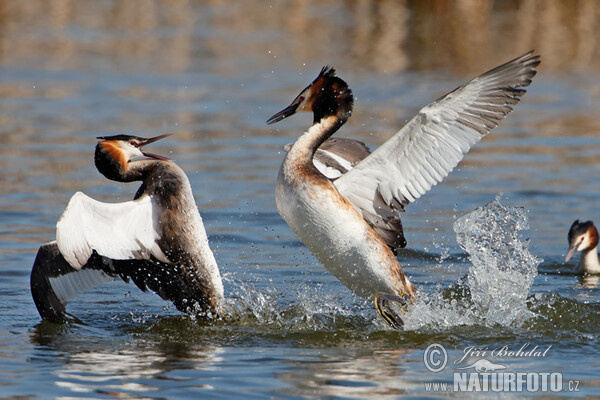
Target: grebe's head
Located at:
point(327, 95)
point(583, 236)
point(115, 154)
point(126, 148)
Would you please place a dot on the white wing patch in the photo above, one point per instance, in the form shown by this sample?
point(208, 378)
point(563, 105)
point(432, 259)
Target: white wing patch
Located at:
point(121, 231)
point(329, 172)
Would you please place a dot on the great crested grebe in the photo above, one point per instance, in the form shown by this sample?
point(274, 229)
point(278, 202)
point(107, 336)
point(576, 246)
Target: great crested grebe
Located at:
point(351, 222)
point(157, 240)
point(583, 237)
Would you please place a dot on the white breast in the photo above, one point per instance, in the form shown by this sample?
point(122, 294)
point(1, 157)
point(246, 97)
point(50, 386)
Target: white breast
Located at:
point(337, 235)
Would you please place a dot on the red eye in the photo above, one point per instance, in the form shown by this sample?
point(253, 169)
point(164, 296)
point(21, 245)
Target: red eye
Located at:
point(301, 99)
point(133, 143)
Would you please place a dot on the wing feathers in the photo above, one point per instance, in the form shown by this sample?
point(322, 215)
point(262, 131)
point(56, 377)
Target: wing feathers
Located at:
point(120, 231)
point(70, 285)
point(54, 282)
point(430, 145)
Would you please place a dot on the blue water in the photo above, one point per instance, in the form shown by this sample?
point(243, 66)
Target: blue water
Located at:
point(212, 74)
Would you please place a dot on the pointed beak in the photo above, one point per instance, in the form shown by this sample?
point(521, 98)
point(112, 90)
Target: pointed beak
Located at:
point(286, 112)
point(572, 250)
point(152, 140)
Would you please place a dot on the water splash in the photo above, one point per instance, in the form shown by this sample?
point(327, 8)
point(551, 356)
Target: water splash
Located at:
point(503, 269)
point(250, 303)
point(309, 308)
point(502, 272)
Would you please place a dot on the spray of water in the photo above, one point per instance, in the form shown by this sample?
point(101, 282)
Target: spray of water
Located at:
point(309, 309)
point(499, 278)
point(503, 269)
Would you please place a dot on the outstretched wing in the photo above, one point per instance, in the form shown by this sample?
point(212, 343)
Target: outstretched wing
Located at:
point(54, 282)
point(431, 144)
point(120, 231)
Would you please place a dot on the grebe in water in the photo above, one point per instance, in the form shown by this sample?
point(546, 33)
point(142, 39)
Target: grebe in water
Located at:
point(157, 240)
point(350, 222)
point(583, 237)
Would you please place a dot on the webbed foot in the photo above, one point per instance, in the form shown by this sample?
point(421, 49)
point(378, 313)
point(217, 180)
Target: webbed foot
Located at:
point(390, 316)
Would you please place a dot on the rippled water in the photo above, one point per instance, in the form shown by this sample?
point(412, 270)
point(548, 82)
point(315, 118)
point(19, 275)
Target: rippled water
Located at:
point(212, 74)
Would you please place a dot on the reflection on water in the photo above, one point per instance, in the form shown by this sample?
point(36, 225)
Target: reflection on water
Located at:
point(590, 281)
point(391, 36)
point(359, 374)
point(151, 367)
point(112, 372)
point(212, 73)
point(121, 368)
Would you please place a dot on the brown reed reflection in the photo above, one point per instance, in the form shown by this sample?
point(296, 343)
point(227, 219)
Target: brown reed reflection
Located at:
point(386, 35)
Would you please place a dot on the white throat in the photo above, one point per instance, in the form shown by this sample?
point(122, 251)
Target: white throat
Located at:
point(589, 261)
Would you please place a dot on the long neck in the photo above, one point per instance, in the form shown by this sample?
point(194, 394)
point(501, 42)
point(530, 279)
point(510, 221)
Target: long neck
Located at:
point(307, 144)
point(589, 261)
